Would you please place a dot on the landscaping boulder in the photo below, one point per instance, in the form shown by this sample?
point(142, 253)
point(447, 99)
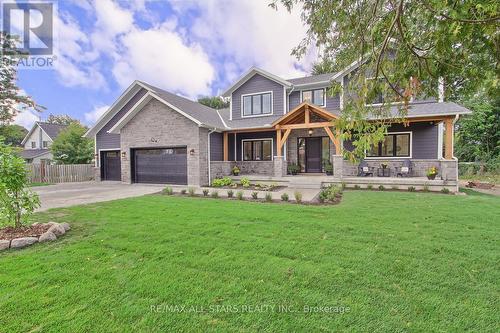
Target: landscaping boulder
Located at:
point(4, 244)
point(66, 226)
point(57, 229)
point(19, 243)
point(47, 237)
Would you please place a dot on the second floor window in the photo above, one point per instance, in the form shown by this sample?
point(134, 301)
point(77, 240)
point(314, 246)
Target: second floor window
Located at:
point(316, 96)
point(45, 144)
point(255, 105)
point(33, 144)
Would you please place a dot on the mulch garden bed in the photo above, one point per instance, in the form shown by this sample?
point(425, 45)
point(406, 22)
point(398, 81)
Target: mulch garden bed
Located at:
point(252, 187)
point(10, 233)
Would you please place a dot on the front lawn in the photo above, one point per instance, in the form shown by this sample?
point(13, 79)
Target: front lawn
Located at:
point(390, 261)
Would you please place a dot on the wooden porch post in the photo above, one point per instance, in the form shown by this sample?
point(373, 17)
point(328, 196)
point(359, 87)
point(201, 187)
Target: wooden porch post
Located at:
point(225, 139)
point(278, 143)
point(448, 145)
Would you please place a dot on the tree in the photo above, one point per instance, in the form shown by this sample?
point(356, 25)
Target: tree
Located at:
point(215, 102)
point(12, 99)
point(408, 46)
point(324, 66)
point(13, 134)
point(17, 201)
point(478, 134)
point(61, 119)
point(70, 147)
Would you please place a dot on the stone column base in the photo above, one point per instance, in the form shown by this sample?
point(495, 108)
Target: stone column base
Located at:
point(338, 165)
point(279, 166)
point(449, 170)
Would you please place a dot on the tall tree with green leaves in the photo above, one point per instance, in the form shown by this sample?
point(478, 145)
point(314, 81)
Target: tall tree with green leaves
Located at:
point(12, 98)
point(214, 102)
point(70, 147)
point(324, 66)
point(403, 48)
point(61, 119)
point(13, 134)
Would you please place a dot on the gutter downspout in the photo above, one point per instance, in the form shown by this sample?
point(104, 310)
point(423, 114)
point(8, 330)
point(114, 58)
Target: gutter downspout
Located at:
point(208, 156)
point(453, 156)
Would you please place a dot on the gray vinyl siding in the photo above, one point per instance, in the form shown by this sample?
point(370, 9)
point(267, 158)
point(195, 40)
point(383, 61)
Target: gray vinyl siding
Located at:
point(257, 84)
point(332, 103)
point(216, 147)
point(255, 135)
point(424, 139)
point(106, 140)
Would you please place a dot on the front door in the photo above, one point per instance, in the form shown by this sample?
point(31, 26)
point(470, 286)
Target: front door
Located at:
point(110, 165)
point(313, 154)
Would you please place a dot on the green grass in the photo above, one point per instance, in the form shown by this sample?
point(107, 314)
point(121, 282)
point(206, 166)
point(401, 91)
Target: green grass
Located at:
point(401, 262)
point(39, 184)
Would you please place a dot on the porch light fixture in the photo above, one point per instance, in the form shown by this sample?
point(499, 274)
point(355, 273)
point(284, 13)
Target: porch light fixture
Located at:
point(191, 152)
point(124, 154)
point(310, 132)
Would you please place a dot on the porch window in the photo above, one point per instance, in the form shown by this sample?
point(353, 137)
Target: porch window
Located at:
point(259, 104)
point(257, 150)
point(316, 96)
point(394, 145)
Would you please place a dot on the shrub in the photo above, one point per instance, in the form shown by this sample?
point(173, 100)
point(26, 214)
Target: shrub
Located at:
point(411, 188)
point(425, 188)
point(343, 185)
point(381, 188)
point(293, 168)
point(298, 196)
point(183, 191)
point(168, 190)
point(255, 195)
point(205, 192)
point(215, 194)
point(17, 201)
point(370, 187)
point(191, 191)
point(331, 193)
point(357, 187)
point(220, 182)
point(269, 197)
point(284, 197)
point(245, 182)
point(239, 195)
point(444, 190)
point(235, 170)
point(230, 193)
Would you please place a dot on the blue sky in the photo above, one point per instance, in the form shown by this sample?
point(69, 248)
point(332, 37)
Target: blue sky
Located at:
point(192, 48)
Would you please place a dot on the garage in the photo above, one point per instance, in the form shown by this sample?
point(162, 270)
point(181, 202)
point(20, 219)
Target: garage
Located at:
point(160, 165)
point(111, 165)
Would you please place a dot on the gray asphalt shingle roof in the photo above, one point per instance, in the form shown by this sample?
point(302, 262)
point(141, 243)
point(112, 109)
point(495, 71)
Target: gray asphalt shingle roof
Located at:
point(52, 130)
point(31, 153)
point(200, 112)
point(311, 79)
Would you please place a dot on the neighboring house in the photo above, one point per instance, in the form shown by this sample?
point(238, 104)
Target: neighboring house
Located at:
point(38, 141)
point(153, 136)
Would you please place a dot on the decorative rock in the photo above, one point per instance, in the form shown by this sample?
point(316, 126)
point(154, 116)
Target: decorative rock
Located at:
point(23, 242)
point(4, 244)
point(66, 226)
point(47, 237)
point(57, 229)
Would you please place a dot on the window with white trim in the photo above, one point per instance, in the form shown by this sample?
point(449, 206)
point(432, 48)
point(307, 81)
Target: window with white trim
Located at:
point(258, 104)
point(45, 144)
point(393, 145)
point(257, 150)
point(33, 144)
point(315, 96)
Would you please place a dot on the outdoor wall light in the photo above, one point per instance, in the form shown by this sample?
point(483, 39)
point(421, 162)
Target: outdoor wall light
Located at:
point(191, 152)
point(310, 132)
point(124, 154)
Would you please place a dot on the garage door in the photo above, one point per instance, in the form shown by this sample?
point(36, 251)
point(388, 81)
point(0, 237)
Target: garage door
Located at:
point(111, 165)
point(160, 166)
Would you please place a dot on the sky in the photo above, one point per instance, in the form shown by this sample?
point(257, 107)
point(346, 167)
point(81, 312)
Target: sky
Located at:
point(192, 48)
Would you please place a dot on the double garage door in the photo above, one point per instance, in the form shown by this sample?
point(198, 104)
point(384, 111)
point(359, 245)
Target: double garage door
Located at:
point(160, 165)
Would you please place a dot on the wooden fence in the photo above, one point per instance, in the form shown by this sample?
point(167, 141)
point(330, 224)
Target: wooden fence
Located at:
point(60, 173)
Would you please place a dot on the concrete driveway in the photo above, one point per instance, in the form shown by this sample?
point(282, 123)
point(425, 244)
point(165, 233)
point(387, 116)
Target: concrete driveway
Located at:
point(70, 194)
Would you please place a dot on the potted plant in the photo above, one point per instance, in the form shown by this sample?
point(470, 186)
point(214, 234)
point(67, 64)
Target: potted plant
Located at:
point(432, 172)
point(293, 168)
point(384, 165)
point(235, 170)
point(328, 168)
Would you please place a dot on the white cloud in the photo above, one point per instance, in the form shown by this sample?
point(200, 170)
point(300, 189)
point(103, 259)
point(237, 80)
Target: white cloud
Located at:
point(92, 116)
point(26, 118)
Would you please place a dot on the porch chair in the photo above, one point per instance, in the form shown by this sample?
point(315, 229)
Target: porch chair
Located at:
point(405, 169)
point(364, 170)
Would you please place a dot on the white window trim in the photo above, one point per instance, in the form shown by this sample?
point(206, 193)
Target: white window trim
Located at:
point(263, 139)
point(394, 157)
point(324, 96)
point(257, 115)
point(98, 160)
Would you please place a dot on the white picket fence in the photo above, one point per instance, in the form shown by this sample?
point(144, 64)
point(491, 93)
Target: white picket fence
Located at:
point(60, 173)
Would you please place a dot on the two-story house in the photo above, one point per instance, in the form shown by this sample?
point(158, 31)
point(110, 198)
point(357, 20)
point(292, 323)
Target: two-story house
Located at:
point(153, 136)
point(38, 141)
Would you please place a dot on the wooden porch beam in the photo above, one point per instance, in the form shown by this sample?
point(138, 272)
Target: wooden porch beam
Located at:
point(225, 139)
point(448, 145)
point(310, 125)
point(278, 142)
point(307, 115)
point(285, 136)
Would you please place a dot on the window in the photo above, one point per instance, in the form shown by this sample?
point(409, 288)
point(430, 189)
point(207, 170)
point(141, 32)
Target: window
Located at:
point(33, 144)
point(255, 105)
point(382, 92)
point(45, 144)
point(394, 145)
point(316, 96)
point(257, 150)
